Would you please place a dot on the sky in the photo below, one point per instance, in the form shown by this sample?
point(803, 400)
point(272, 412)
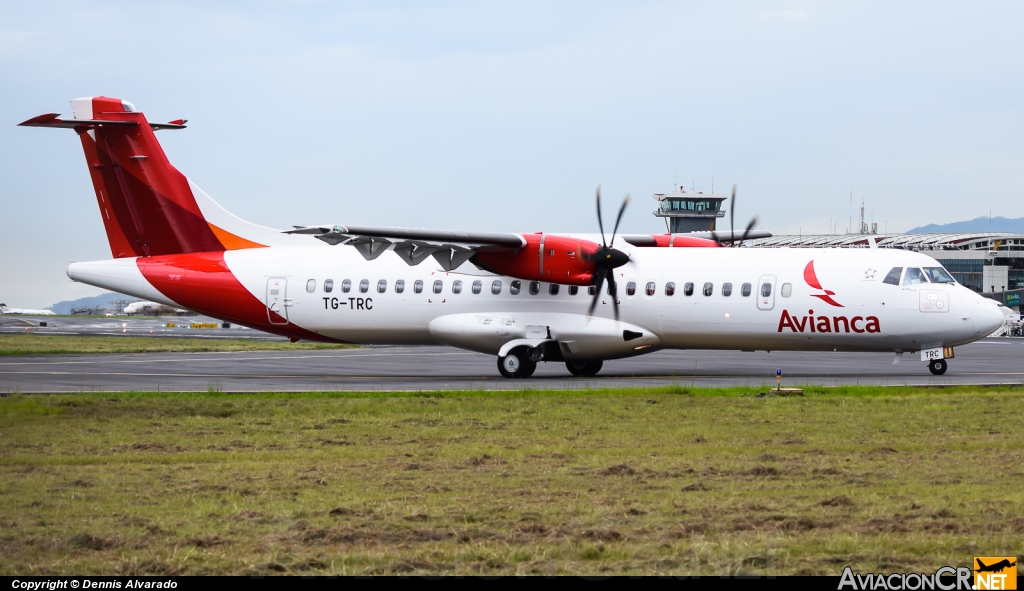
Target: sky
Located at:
point(505, 116)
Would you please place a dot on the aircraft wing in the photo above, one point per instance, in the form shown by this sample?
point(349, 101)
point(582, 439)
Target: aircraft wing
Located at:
point(413, 245)
point(722, 236)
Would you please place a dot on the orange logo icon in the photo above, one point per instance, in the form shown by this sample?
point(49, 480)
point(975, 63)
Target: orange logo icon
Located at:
point(995, 572)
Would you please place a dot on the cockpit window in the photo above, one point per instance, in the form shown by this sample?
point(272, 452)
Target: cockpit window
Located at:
point(893, 278)
point(938, 275)
point(914, 276)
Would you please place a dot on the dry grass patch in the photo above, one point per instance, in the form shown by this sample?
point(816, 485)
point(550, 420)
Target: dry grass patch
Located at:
point(492, 484)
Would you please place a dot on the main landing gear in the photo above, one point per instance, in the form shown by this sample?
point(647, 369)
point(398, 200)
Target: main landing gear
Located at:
point(937, 366)
point(521, 362)
point(517, 364)
point(584, 368)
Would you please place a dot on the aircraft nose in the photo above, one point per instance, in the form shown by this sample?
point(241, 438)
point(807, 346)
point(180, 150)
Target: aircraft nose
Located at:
point(986, 317)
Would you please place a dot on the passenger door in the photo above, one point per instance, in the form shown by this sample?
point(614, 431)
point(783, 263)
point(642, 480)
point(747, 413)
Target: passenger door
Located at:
point(766, 292)
point(277, 300)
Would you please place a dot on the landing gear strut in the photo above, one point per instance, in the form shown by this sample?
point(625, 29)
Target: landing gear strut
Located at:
point(517, 364)
point(584, 368)
point(937, 366)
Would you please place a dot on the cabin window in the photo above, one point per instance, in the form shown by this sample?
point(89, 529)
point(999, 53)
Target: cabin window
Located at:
point(534, 287)
point(328, 286)
point(726, 289)
point(766, 290)
point(649, 290)
point(515, 287)
point(477, 287)
point(457, 287)
point(553, 289)
point(688, 289)
point(670, 288)
point(496, 287)
point(745, 290)
point(787, 290)
point(709, 288)
point(574, 289)
point(631, 288)
point(914, 276)
point(311, 285)
point(592, 290)
point(364, 285)
point(893, 277)
point(418, 286)
point(400, 286)
point(382, 286)
point(346, 285)
point(438, 286)
point(938, 275)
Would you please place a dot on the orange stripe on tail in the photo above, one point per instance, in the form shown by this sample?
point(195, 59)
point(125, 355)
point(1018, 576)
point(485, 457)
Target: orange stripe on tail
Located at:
point(231, 241)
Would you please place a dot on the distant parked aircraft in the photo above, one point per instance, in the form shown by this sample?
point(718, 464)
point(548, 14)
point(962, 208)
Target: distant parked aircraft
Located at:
point(151, 309)
point(5, 310)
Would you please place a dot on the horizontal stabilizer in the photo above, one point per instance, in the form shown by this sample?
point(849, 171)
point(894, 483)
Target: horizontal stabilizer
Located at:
point(54, 120)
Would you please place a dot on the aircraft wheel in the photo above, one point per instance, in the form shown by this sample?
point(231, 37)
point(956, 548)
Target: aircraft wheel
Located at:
point(516, 364)
point(584, 368)
point(938, 366)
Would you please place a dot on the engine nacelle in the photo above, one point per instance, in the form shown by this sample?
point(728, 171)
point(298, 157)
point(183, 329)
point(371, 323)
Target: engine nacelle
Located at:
point(662, 240)
point(546, 257)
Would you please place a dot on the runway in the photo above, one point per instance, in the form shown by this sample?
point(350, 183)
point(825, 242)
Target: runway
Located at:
point(990, 361)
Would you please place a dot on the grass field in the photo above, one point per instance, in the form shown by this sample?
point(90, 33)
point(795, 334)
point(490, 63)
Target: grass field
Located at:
point(671, 481)
point(34, 344)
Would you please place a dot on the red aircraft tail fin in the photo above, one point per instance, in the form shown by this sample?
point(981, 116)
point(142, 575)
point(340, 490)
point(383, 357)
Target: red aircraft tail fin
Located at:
point(148, 207)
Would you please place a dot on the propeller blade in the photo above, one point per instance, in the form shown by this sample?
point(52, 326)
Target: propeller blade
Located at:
point(622, 210)
point(753, 222)
point(615, 293)
point(732, 216)
point(599, 224)
point(597, 293)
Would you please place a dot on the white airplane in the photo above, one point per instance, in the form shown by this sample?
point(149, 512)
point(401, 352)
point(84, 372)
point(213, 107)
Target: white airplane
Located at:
point(524, 298)
point(5, 310)
point(150, 308)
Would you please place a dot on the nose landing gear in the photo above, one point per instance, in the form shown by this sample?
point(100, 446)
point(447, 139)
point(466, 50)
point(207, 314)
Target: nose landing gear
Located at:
point(937, 366)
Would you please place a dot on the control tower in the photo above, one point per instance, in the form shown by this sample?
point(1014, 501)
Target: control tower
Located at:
point(689, 211)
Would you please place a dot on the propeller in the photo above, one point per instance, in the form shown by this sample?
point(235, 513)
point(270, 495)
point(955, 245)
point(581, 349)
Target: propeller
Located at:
point(607, 258)
point(732, 228)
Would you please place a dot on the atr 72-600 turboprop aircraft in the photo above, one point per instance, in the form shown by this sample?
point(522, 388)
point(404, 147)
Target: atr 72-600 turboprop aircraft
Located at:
point(522, 297)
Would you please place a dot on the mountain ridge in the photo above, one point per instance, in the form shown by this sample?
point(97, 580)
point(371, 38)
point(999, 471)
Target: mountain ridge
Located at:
point(97, 301)
point(981, 224)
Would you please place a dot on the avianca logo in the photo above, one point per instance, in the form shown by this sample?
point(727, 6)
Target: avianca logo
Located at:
point(812, 280)
point(812, 323)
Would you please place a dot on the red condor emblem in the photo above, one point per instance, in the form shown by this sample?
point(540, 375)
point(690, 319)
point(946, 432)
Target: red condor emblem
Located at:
point(812, 280)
